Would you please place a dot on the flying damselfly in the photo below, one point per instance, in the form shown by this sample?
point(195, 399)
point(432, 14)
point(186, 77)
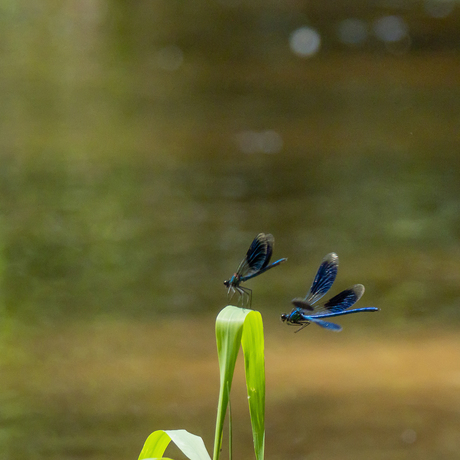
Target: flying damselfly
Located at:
point(306, 312)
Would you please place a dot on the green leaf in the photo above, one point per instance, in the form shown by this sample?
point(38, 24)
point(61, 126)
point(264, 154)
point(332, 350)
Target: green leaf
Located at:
point(254, 363)
point(235, 326)
point(155, 445)
point(191, 445)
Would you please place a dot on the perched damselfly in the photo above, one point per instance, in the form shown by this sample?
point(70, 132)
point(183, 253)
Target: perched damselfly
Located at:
point(255, 263)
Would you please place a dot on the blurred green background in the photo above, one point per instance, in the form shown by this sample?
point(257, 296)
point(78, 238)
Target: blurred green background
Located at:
point(143, 146)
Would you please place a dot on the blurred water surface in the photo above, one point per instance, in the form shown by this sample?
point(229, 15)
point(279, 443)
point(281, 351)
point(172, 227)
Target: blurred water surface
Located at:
point(145, 144)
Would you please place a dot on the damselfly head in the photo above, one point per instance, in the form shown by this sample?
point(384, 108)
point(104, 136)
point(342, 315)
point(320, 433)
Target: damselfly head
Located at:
point(233, 281)
point(284, 317)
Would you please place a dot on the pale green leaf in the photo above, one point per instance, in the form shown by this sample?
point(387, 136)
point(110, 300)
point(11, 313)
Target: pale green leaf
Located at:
point(191, 445)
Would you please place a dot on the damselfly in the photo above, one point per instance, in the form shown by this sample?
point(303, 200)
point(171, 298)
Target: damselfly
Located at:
point(305, 312)
point(255, 263)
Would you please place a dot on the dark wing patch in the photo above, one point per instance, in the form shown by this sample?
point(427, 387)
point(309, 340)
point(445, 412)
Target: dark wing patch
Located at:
point(343, 300)
point(301, 303)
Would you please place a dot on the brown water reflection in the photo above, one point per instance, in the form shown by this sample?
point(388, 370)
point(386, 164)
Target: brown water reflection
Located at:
point(95, 391)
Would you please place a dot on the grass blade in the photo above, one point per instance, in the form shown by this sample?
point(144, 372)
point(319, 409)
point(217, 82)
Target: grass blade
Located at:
point(191, 445)
point(254, 363)
point(229, 329)
point(155, 445)
point(234, 327)
point(230, 431)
